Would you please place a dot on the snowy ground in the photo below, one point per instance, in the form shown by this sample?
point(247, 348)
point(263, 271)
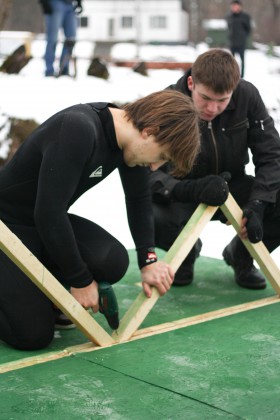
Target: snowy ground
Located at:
point(31, 95)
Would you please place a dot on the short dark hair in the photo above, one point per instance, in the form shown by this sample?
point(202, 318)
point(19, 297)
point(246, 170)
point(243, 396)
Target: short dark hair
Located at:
point(217, 69)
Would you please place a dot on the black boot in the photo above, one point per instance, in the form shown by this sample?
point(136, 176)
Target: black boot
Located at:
point(184, 274)
point(246, 274)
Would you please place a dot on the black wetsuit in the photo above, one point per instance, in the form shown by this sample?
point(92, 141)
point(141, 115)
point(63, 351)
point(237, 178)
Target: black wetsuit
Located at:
point(63, 158)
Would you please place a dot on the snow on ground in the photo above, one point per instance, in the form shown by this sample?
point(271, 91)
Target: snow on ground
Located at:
point(31, 95)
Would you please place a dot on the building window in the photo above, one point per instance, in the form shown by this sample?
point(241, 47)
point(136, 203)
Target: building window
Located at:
point(158, 22)
point(127, 21)
point(83, 22)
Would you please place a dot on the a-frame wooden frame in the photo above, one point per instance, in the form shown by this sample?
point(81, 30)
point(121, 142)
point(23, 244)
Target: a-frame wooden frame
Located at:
point(135, 315)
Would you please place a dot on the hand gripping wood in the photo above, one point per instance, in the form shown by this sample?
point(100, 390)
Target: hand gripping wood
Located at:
point(175, 256)
point(258, 251)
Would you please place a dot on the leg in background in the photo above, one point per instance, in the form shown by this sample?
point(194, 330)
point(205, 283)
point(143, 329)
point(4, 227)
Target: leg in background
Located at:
point(70, 29)
point(53, 24)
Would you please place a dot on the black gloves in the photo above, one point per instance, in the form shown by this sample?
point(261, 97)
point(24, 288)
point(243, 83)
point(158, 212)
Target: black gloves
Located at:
point(254, 211)
point(47, 9)
point(78, 7)
point(211, 190)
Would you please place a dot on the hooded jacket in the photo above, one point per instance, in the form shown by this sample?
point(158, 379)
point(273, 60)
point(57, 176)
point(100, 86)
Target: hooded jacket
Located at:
point(244, 126)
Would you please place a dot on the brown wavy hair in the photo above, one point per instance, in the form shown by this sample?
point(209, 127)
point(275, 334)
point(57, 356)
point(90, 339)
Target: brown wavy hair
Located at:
point(172, 118)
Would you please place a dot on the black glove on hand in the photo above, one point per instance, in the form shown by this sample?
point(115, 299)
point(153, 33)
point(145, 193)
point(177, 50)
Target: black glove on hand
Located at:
point(47, 9)
point(254, 211)
point(211, 190)
point(78, 7)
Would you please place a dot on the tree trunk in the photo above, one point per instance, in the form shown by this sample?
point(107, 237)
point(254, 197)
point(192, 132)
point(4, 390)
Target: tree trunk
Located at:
point(5, 7)
point(275, 21)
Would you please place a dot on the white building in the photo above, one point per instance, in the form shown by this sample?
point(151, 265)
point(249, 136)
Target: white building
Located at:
point(142, 21)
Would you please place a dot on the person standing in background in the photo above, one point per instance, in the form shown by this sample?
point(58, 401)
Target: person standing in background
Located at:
point(60, 14)
point(239, 28)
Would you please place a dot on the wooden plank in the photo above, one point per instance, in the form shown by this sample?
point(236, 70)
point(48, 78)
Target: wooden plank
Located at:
point(140, 334)
point(169, 65)
point(45, 357)
point(258, 251)
point(198, 319)
point(175, 256)
point(31, 361)
point(48, 284)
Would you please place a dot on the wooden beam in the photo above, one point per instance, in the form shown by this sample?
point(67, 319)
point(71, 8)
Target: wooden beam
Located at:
point(258, 251)
point(175, 256)
point(51, 287)
point(201, 318)
point(170, 65)
point(143, 333)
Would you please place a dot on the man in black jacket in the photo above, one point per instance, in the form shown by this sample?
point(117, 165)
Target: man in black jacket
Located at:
point(234, 120)
point(239, 28)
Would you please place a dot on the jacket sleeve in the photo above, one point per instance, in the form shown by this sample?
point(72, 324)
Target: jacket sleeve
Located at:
point(247, 24)
point(139, 207)
point(161, 185)
point(264, 143)
point(46, 6)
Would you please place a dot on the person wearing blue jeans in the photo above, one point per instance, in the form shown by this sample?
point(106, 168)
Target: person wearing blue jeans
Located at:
point(60, 14)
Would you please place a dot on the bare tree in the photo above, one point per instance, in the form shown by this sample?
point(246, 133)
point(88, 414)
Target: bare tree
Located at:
point(5, 7)
point(276, 6)
point(275, 21)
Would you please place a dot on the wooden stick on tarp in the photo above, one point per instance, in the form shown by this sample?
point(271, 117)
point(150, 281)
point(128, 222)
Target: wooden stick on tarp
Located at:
point(175, 256)
point(50, 286)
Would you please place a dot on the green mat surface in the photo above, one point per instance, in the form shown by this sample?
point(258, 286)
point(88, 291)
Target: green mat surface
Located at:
point(213, 288)
point(228, 368)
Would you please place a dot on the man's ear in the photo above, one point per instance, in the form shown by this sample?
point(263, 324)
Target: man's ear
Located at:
point(190, 83)
point(150, 131)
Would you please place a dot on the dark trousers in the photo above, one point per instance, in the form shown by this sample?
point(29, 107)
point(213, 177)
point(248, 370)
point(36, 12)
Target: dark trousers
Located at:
point(171, 218)
point(26, 314)
point(241, 52)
